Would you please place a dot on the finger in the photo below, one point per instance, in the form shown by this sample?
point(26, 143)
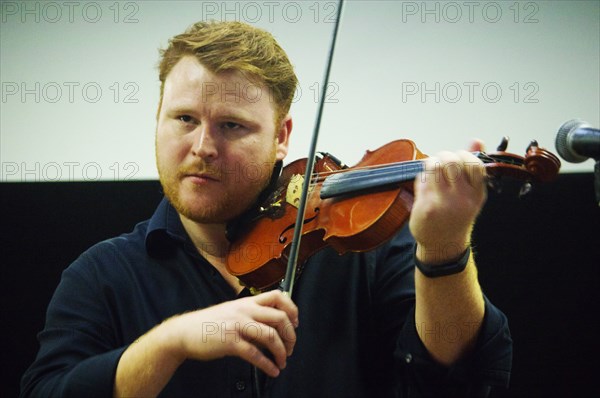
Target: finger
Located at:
point(459, 169)
point(252, 354)
point(476, 145)
point(281, 323)
point(277, 299)
point(266, 337)
point(447, 170)
point(474, 170)
point(432, 171)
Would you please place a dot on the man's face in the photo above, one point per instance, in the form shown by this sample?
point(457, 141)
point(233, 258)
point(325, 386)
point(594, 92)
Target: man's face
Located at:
point(216, 141)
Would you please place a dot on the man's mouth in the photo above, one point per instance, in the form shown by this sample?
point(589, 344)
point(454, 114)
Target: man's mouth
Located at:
point(201, 178)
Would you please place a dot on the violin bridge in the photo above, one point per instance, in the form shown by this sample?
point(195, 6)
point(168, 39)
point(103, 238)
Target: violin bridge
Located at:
point(294, 190)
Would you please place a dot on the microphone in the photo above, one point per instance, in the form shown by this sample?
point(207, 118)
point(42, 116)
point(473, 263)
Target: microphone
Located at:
point(576, 141)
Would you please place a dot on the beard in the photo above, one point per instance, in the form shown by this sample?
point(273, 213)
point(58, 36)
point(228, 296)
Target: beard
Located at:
point(228, 196)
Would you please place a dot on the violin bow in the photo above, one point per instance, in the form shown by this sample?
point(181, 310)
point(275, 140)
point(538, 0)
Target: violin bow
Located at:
point(290, 274)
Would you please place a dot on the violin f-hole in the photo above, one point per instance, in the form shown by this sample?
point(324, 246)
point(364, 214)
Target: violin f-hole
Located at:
point(282, 239)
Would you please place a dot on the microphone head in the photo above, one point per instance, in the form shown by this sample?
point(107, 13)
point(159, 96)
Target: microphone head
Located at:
point(563, 141)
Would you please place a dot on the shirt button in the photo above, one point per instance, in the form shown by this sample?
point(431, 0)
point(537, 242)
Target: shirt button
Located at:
point(240, 385)
point(408, 358)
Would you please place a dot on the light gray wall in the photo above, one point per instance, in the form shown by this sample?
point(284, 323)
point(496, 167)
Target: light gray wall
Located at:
point(80, 87)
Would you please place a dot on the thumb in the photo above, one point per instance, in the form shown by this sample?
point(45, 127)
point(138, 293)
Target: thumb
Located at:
point(476, 145)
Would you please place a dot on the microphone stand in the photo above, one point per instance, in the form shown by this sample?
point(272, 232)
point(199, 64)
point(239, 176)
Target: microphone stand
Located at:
point(597, 181)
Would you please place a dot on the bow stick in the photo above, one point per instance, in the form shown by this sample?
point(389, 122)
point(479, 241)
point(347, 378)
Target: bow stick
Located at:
point(290, 274)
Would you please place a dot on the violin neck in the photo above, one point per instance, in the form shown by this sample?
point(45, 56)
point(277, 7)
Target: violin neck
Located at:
point(370, 179)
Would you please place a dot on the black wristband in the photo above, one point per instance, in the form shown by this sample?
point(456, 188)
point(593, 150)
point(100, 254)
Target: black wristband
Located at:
point(434, 271)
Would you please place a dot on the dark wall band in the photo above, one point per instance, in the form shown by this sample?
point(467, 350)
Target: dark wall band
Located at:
point(538, 258)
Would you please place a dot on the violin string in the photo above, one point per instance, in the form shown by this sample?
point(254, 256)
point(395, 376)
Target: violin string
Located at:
point(369, 167)
point(376, 167)
point(385, 169)
point(398, 171)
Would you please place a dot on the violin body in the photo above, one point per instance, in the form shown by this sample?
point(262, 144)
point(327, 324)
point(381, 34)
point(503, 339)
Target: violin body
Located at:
point(258, 257)
point(352, 209)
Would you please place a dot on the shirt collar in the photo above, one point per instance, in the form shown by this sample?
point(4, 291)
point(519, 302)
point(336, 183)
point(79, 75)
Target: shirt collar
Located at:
point(164, 230)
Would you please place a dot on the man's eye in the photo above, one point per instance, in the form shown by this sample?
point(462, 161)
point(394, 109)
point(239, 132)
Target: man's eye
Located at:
point(186, 118)
point(231, 125)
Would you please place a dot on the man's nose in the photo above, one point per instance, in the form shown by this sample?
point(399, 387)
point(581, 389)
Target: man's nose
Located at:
point(205, 142)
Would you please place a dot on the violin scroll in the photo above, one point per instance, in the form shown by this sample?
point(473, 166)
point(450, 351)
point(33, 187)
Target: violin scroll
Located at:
point(543, 165)
point(538, 164)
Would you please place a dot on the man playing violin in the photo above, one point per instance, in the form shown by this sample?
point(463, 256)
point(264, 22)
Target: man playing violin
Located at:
point(156, 312)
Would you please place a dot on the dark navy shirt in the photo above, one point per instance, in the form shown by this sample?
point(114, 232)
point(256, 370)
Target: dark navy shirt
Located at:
point(357, 335)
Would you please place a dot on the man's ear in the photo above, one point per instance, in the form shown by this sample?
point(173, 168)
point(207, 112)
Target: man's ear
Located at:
point(283, 137)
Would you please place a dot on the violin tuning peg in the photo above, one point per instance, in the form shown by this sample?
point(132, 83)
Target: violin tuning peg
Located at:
point(495, 184)
point(503, 144)
point(532, 144)
point(525, 189)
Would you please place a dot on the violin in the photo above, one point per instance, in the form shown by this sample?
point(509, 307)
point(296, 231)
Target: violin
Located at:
point(352, 208)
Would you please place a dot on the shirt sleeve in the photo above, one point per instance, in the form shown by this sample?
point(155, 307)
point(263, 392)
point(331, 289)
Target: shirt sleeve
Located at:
point(487, 366)
point(473, 376)
point(78, 352)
